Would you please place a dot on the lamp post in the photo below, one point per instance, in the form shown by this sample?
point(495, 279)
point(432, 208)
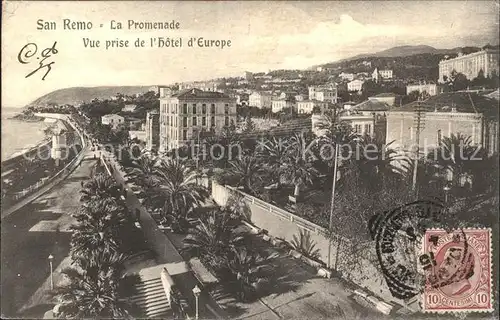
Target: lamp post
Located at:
point(446, 190)
point(51, 257)
point(196, 292)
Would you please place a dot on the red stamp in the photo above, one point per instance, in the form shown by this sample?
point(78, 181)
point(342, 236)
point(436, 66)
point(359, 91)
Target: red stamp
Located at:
point(457, 268)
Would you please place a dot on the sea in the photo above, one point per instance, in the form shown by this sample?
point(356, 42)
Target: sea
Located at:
point(19, 135)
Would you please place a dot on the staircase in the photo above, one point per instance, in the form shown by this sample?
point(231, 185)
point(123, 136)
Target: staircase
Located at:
point(150, 299)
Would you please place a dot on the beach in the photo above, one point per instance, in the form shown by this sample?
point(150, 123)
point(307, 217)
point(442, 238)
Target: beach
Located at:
point(18, 135)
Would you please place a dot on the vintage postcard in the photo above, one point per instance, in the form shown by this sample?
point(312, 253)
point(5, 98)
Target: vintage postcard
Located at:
point(250, 159)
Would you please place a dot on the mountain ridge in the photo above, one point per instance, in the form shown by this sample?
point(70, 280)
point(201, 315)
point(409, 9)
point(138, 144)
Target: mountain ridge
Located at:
point(77, 95)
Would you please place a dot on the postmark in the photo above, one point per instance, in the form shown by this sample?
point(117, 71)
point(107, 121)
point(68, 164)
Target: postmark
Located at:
point(397, 235)
point(457, 267)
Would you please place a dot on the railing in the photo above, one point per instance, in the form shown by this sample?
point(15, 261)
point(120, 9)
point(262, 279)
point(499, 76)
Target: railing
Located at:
point(299, 221)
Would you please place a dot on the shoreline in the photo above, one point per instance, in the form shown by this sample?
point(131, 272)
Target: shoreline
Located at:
point(33, 146)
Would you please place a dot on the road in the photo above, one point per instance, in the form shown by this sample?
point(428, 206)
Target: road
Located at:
point(31, 234)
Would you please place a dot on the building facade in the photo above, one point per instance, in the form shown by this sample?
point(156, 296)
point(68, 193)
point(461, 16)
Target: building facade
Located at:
point(379, 75)
point(260, 100)
point(355, 85)
point(471, 64)
point(153, 130)
point(307, 106)
point(185, 114)
point(430, 88)
point(112, 120)
point(325, 93)
point(279, 104)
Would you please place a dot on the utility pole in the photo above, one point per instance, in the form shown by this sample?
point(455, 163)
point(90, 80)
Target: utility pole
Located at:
point(334, 183)
point(418, 123)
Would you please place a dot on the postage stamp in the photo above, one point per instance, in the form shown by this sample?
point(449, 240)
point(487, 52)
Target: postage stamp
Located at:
point(457, 267)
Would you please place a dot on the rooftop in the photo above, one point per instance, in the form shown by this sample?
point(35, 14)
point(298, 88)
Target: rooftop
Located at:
point(385, 95)
point(199, 94)
point(371, 105)
point(460, 101)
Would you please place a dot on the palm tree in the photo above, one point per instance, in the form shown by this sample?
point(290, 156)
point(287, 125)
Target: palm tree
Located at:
point(249, 270)
point(456, 156)
point(305, 245)
point(275, 152)
point(237, 205)
point(97, 230)
point(143, 169)
point(247, 168)
point(175, 187)
point(212, 238)
point(375, 164)
point(94, 293)
point(299, 169)
point(99, 187)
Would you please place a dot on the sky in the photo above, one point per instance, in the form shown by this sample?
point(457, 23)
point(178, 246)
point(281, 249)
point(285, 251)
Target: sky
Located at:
point(264, 36)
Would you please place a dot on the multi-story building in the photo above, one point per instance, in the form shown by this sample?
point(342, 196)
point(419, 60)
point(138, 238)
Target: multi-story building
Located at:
point(448, 113)
point(185, 114)
point(471, 64)
point(326, 93)
point(347, 76)
point(355, 85)
point(379, 75)
point(430, 88)
point(279, 104)
point(307, 106)
point(113, 120)
point(153, 130)
point(260, 99)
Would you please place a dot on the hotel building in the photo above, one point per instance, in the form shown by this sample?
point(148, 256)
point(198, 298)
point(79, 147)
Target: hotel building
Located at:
point(184, 114)
point(470, 64)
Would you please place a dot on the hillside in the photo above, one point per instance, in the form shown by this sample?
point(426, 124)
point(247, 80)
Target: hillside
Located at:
point(403, 51)
point(78, 95)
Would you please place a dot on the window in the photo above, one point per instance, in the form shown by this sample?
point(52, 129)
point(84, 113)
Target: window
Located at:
point(184, 134)
point(194, 108)
point(204, 108)
point(439, 137)
point(226, 109)
point(185, 108)
point(212, 121)
point(194, 121)
point(226, 121)
point(212, 108)
point(204, 121)
point(185, 122)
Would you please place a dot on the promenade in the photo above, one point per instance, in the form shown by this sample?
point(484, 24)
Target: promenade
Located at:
point(33, 232)
point(167, 253)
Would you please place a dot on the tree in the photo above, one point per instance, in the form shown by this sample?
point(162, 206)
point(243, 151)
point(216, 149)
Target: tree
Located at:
point(247, 169)
point(456, 157)
point(299, 169)
point(142, 170)
point(176, 190)
point(249, 125)
point(457, 81)
point(94, 293)
point(212, 238)
point(249, 270)
point(99, 187)
point(97, 230)
point(274, 153)
point(305, 245)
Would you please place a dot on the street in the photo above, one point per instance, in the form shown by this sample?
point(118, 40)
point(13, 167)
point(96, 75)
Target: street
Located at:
point(31, 234)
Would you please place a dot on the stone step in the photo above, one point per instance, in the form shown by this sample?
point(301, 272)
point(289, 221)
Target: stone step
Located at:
point(137, 299)
point(156, 311)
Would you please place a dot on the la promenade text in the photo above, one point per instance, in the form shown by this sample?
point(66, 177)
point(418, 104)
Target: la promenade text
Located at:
point(68, 24)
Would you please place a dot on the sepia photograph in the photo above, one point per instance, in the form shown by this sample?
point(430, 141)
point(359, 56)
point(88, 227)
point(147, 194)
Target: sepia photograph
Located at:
point(253, 160)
